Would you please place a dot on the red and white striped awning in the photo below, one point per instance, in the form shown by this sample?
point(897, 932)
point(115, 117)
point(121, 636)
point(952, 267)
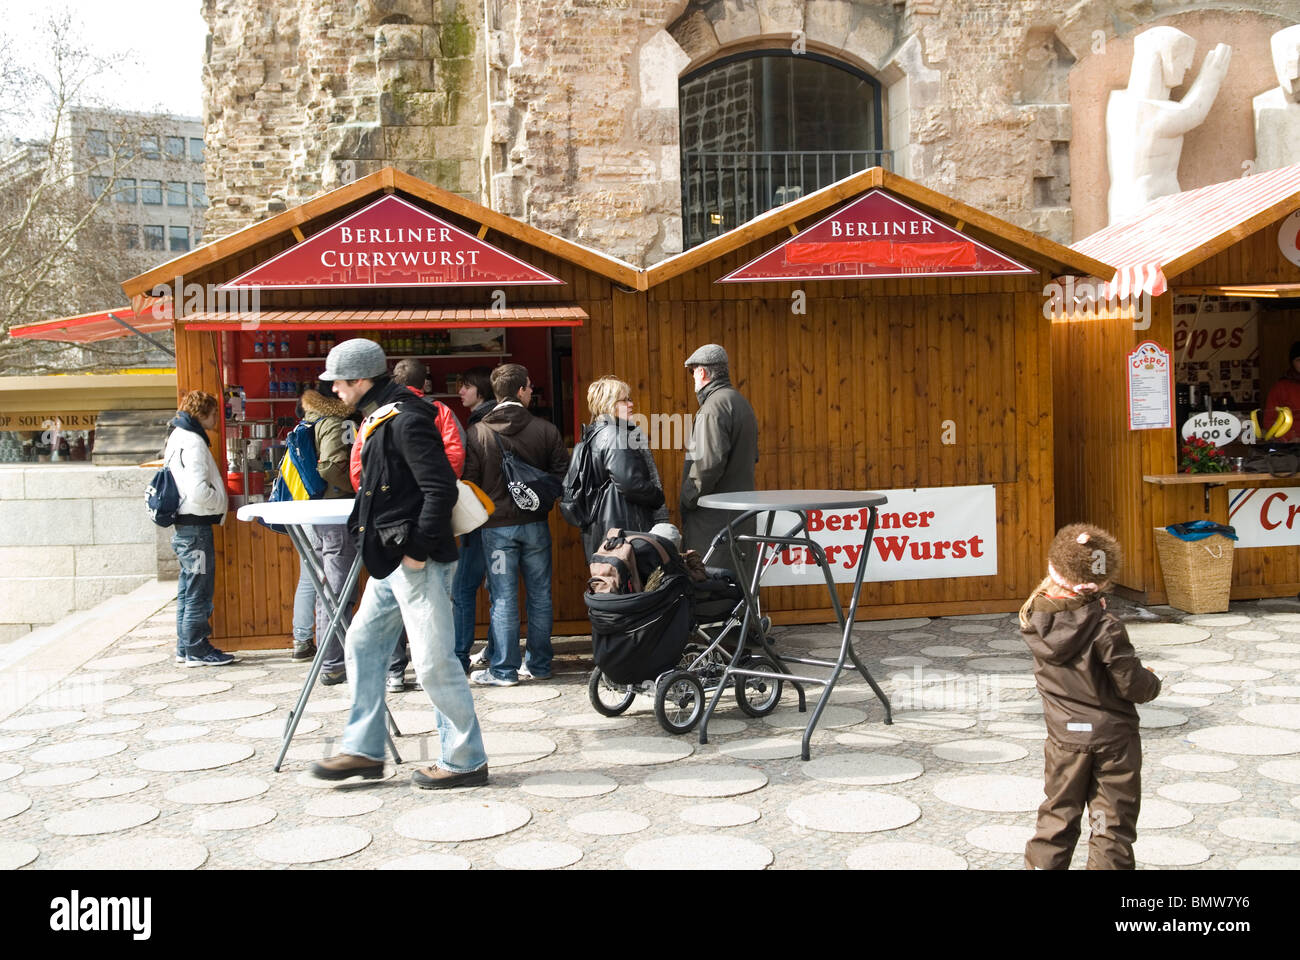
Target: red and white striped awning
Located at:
point(1134, 280)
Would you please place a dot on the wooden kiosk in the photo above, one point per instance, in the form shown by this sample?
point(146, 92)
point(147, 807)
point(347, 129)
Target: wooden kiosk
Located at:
point(1221, 272)
point(907, 352)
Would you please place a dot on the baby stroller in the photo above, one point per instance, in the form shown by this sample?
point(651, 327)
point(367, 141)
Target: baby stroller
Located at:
point(660, 628)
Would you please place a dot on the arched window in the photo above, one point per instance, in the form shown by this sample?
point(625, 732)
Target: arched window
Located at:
point(765, 127)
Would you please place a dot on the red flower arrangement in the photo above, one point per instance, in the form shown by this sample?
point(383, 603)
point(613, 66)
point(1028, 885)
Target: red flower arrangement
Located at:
point(1200, 456)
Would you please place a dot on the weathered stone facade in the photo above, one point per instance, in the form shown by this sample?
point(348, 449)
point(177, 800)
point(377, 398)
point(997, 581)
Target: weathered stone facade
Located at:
point(564, 113)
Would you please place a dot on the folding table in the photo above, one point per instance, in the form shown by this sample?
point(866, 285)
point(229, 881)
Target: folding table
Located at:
point(294, 516)
point(751, 503)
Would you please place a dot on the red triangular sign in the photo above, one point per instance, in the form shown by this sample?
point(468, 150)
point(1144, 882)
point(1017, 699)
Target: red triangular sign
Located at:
point(876, 235)
point(391, 243)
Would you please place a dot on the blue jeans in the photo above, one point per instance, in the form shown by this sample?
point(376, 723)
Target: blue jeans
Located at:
point(470, 569)
point(194, 588)
point(509, 551)
point(420, 600)
point(304, 606)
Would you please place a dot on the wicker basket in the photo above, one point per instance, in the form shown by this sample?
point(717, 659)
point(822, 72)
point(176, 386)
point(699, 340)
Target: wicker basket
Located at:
point(1198, 573)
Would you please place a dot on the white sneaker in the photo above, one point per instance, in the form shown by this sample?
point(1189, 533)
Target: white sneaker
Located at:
point(524, 673)
point(486, 679)
point(479, 659)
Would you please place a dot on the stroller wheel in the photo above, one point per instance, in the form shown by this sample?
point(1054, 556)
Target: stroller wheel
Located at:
point(679, 701)
point(758, 696)
point(609, 698)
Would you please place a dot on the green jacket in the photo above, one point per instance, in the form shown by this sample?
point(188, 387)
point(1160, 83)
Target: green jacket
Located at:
point(720, 458)
point(333, 432)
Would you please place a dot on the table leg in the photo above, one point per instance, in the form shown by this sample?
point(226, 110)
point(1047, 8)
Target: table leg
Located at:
point(740, 642)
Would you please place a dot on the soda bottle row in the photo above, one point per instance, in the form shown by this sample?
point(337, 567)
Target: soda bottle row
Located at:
point(287, 383)
point(276, 344)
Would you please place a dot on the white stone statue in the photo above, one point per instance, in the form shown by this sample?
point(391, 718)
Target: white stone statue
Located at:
point(1277, 111)
point(1144, 128)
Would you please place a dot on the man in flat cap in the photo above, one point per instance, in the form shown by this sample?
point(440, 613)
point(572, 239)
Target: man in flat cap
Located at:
point(722, 451)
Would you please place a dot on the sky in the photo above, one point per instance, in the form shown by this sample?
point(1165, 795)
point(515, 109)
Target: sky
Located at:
point(156, 47)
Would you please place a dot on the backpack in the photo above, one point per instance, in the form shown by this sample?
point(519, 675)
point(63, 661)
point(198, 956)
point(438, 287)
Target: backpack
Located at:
point(530, 488)
point(625, 562)
point(581, 491)
point(162, 497)
point(298, 478)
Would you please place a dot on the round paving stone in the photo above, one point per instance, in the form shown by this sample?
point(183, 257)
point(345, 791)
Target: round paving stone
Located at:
point(707, 780)
point(43, 721)
point(921, 676)
point(1199, 763)
point(976, 617)
point(1018, 729)
point(1252, 636)
point(1197, 686)
point(143, 644)
point(885, 626)
point(594, 722)
point(1003, 681)
point(218, 790)
point(946, 652)
point(1282, 692)
point(1007, 644)
point(411, 722)
point(104, 788)
point(110, 726)
point(1000, 664)
point(1232, 674)
point(126, 661)
point(1027, 707)
point(1279, 648)
point(719, 815)
point(275, 689)
point(1282, 617)
point(238, 817)
point(1163, 668)
point(1248, 741)
point(100, 818)
point(78, 751)
point(1165, 634)
point(933, 720)
point(1284, 771)
point(698, 852)
point(312, 750)
point(194, 756)
point(15, 855)
point(9, 770)
point(904, 662)
point(538, 855)
point(12, 804)
point(133, 708)
point(343, 805)
point(245, 673)
point(272, 728)
point(83, 694)
point(727, 726)
point(789, 718)
point(193, 688)
point(855, 811)
point(1262, 829)
point(1158, 814)
point(1220, 620)
point(996, 794)
point(912, 637)
point(609, 823)
point(515, 715)
point(139, 854)
point(305, 779)
point(638, 751)
point(568, 785)
point(763, 748)
point(973, 629)
point(861, 769)
point(1000, 839)
point(15, 743)
point(1270, 863)
point(1153, 718)
point(1279, 663)
point(58, 777)
point(1197, 655)
point(313, 844)
point(427, 861)
point(226, 710)
point(1269, 714)
point(525, 693)
point(1161, 851)
point(1197, 791)
point(511, 748)
point(903, 856)
point(980, 751)
point(867, 739)
point(459, 820)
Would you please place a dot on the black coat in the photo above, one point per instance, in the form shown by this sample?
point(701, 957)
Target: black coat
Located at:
point(405, 480)
point(631, 494)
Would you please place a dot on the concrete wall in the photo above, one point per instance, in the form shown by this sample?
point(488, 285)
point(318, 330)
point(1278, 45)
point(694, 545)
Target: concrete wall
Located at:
point(71, 536)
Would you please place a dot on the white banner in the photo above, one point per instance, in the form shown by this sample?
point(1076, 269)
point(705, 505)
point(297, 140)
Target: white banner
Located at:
point(1265, 516)
point(924, 534)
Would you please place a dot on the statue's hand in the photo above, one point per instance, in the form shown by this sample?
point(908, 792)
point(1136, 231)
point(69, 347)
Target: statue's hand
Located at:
point(1215, 67)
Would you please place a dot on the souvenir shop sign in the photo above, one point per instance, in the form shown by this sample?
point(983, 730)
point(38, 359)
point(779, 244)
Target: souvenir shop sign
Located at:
point(390, 243)
point(1265, 516)
point(1150, 387)
point(877, 235)
point(921, 534)
point(62, 422)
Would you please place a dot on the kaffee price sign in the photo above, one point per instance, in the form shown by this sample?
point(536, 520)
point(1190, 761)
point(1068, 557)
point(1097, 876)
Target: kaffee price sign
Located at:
point(922, 534)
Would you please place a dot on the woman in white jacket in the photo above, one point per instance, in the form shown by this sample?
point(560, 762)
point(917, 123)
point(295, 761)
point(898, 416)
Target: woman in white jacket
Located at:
point(203, 503)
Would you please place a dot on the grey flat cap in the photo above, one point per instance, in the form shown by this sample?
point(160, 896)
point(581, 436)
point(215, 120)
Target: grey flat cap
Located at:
point(355, 360)
point(710, 354)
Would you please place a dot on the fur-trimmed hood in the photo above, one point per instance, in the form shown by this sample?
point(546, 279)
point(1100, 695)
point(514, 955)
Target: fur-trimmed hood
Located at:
point(316, 404)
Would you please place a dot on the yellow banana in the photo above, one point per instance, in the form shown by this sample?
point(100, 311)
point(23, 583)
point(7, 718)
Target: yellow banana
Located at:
point(1254, 422)
point(1283, 417)
point(1287, 420)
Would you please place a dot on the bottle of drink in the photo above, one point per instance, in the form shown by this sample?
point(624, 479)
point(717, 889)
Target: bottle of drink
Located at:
point(311, 344)
point(284, 344)
point(259, 351)
point(287, 384)
point(273, 383)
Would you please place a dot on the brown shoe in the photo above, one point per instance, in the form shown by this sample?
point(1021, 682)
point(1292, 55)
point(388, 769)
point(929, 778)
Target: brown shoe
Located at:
point(347, 765)
point(436, 778)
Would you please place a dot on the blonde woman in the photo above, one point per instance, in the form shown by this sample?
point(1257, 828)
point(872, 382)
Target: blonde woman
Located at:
point(625, 482)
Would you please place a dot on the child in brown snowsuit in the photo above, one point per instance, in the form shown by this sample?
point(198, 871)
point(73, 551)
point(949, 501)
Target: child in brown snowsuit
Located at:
point(1089, 678)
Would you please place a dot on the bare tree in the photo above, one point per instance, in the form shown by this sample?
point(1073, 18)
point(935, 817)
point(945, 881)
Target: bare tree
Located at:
point(58, 254)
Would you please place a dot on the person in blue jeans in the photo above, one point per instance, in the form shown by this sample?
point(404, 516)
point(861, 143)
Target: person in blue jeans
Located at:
point(475, 391)
point(401, 523)
point(202, 489)
point(516, 540)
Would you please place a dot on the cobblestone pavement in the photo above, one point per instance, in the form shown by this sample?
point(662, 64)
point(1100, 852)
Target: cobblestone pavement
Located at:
point(131, 761)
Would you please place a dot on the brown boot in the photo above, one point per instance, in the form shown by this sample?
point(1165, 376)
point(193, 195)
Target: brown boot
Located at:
point(436, 778)
point(347, 765)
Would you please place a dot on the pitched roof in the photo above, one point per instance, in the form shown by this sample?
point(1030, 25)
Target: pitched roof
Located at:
point(1181, 230)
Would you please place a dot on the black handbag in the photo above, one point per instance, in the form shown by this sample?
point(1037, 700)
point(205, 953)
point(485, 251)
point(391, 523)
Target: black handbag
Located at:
point(1281, 460)
point(530, 488)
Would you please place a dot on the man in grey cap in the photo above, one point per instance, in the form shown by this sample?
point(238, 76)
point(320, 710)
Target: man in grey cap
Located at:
point(401, 521)
point(722, 451)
